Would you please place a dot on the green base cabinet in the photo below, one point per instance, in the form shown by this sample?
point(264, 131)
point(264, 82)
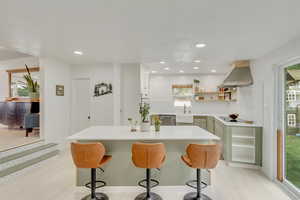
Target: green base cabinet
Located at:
point(205, 122)
point(200, 121)
point(219, 130)
point(243, 144)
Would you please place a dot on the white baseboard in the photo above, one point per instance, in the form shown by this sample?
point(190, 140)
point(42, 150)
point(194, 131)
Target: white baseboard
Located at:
point(292, 193)
point(243, 165)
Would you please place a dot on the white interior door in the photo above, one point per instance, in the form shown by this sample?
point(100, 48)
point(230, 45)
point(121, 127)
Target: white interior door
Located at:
point(80, 104)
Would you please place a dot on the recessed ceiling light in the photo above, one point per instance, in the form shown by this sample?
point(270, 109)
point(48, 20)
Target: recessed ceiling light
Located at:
point(167, 68)
point(153, 72)
point(200, 45)
point(195, 67)
point(162, 62)
point(181, 71)
point(197, 61)
point(213, 71)
point(78, 52)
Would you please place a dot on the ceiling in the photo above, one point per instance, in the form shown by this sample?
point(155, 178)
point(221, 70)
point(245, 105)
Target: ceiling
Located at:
point(149, 31)
point(7, 54)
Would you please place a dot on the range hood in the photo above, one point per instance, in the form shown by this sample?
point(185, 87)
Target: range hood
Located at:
point(240, 76)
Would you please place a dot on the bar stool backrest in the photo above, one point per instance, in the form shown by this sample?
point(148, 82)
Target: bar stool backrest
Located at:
point(148, 155)
point(87, 155)
point(203, 156)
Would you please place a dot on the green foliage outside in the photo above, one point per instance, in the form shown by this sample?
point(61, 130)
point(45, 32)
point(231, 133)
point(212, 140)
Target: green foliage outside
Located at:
point(23, 92)
point(293, 159)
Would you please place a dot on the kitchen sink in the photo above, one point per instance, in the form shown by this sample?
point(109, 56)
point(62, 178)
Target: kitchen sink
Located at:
point(184, 118)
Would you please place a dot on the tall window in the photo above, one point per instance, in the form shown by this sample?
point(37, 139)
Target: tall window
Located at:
point(182, 95)
point(292, 128)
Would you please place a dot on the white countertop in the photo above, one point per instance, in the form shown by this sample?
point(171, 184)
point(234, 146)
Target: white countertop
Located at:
point(123, 133)
point(236, 123)
point(216, 116)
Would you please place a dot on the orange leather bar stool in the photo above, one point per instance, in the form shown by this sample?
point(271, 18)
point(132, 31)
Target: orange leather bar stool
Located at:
point(200, 156)
point(91, 156)
point(148, 156)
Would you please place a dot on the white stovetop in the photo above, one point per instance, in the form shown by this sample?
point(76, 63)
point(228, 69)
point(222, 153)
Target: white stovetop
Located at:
point(123, 133)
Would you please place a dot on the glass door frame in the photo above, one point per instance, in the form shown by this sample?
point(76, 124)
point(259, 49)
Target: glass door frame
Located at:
point(280, 119)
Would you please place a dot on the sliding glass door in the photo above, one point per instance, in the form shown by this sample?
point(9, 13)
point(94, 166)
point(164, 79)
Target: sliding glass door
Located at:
point(292, 125)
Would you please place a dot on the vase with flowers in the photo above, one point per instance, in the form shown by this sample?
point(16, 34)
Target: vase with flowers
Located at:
point(144, 112)
point(157, 123)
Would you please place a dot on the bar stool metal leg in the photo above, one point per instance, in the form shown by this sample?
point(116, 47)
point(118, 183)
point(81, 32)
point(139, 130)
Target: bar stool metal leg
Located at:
point(148, 195)
point(197, 195)
point(95, 195)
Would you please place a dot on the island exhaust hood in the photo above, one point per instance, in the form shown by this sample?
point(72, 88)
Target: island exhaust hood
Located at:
point(240, 76)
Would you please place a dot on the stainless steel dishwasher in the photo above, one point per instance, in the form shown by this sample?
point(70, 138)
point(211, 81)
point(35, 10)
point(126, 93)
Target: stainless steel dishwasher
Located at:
point(168, 120)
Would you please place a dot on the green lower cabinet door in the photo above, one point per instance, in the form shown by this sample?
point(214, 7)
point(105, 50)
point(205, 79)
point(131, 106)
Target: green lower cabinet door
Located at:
point(219, 131)
point(211, 124)
point(200, 121)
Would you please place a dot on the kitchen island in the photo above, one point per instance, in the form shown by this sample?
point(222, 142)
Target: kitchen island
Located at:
point(117, 140)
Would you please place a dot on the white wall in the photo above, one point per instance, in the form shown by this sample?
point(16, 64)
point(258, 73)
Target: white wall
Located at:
point(101, 108)
point(13, 64)
point(130, 91)
point(125, 78)
point(145, 78)
point(162, 99)
point(117, 94)
point(263, 71)
point(55, 110)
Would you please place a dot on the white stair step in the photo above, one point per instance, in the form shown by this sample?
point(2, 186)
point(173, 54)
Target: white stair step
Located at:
point(18, 161)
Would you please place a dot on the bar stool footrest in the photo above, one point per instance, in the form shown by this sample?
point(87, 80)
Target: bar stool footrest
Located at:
point(88, 185)
point(193, 183)
point(193, 196)
point(142, 183)
point(99, 196)
point(153, 196)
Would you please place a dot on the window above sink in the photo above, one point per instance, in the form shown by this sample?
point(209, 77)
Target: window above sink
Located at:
point(182, 90)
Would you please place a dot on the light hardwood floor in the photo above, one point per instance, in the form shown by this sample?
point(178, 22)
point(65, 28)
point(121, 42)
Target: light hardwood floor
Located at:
point(54, 179)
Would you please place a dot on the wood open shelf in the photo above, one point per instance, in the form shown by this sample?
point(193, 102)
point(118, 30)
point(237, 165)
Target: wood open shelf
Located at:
point(215, 100)
point(218, 96)
point(209, 92)
point(17, 99)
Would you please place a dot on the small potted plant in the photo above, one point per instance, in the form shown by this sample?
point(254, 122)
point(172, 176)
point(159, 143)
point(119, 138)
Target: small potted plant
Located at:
point(196, 85)
point(144, 112)
point(157, 123)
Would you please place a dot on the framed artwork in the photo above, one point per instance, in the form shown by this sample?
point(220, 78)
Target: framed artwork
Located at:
point(102, 89)
point(60, 90)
